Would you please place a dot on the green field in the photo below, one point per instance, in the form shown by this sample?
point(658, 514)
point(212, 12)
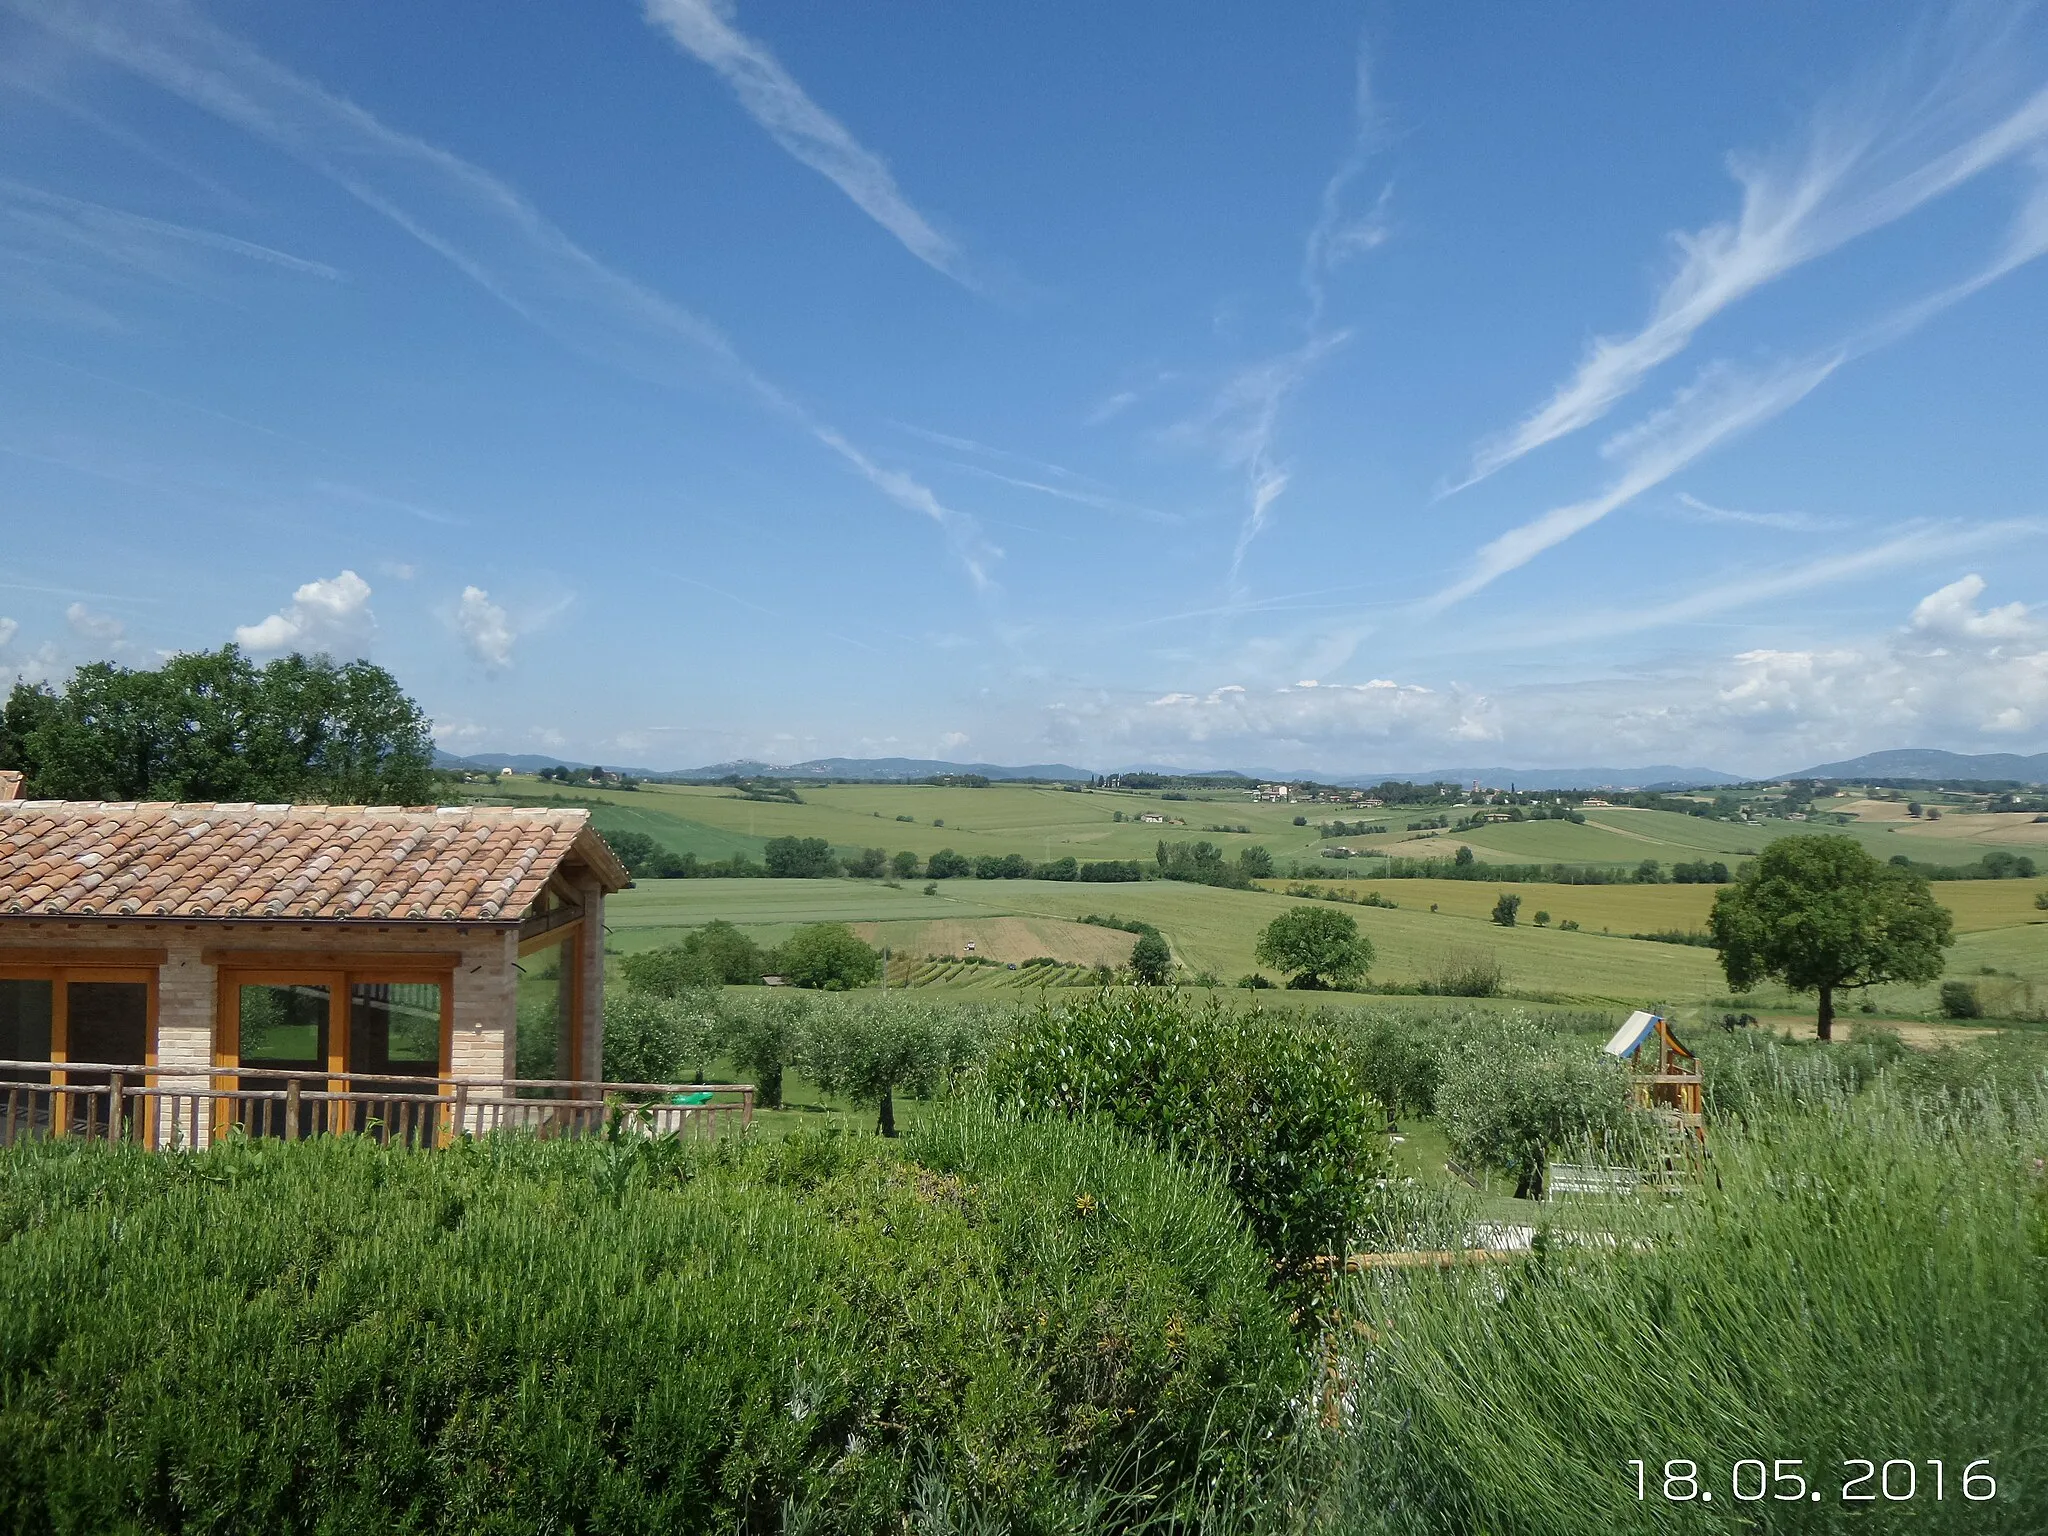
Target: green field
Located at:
point(715, 822)
point(2003, 943)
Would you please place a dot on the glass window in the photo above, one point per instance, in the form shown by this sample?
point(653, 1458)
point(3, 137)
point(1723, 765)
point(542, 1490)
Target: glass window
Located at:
point(546, 979)
point(394, 1028)
point(284, 1025)
point(107, 1021)
point(25, 1010)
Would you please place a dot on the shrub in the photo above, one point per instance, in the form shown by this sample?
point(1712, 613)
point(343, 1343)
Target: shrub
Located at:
point(518, 1336)
point(1958, 1001)
point(1276, 1105)
point(1505, 906)
point(1466, 971)
point(1252, 981)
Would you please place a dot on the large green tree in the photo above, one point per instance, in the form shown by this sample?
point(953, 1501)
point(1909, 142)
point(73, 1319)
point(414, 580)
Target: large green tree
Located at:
point(829, 956)
point(1318, 946)
point(211, 725)
point(1819, 914)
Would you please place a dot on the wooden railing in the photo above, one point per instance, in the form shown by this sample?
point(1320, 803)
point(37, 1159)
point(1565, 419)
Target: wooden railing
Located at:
point(165, 1108)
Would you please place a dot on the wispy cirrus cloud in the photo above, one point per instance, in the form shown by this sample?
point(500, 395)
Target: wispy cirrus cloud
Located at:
point(481, 225)
point(1723, 403)
point(1784, 522)
point(1866, 159)
point(774, 99)
point(1912, 549)
point(1244, 416)
point(130, 239)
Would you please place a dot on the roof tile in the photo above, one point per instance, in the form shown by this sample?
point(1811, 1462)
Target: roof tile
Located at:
point(319, 862)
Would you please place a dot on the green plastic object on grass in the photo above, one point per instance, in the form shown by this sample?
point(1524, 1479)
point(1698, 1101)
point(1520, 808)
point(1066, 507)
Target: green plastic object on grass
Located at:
point(689, 1098)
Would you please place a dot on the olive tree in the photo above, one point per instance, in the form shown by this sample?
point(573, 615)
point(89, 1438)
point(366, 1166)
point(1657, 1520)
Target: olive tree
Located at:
point(1318, 946)
point(871, 1048)
point(1508, 1095)
point(1819, 914)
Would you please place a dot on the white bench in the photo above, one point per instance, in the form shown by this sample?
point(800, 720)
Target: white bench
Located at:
point(1590, 1179)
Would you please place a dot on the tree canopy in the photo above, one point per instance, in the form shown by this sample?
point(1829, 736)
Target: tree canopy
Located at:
point(826, 955)
point(800, 858)
point(211, 725)
point(1819, 913)
point(1151, 960)
point(1318, 946)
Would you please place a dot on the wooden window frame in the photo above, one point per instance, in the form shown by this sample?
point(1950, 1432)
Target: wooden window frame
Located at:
point(83, 965)
point(569, 936)
point(340, 981)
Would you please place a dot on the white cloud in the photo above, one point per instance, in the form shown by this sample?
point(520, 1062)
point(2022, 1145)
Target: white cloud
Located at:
point(773, 99)
point(952, 740)
point(96, 629)
point(8, 630)
point(331, 615)
point(485, 628)
point(1787, 522)
point(1862, 164)
point(1952, 613)
point(1956, 673)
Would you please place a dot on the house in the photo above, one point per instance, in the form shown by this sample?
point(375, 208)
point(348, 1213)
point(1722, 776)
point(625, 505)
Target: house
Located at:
point(1270, 792)
point(1153, 817)
point(167, 970)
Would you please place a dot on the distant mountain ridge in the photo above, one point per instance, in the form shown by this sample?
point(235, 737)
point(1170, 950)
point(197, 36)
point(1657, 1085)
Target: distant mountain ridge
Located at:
point(1927, 763)
point(1654, 776)
point(1933, 764)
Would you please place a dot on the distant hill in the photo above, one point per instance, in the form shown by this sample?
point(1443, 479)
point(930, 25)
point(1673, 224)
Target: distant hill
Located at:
point(1654, 776)
point(1932, 764)
point(878, 768)
point(903, 768)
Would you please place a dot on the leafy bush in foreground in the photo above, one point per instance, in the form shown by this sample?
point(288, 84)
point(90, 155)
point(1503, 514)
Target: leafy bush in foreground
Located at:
point(1273, 1101)
point(1039, 1324)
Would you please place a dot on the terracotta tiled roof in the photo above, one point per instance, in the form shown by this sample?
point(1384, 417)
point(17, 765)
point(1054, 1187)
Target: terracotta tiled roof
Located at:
point(79, 858)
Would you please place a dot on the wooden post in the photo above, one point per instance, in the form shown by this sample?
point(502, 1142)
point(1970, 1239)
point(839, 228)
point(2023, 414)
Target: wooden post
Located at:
point(114, 1090)
point(461, 1126)
point(291, 1109)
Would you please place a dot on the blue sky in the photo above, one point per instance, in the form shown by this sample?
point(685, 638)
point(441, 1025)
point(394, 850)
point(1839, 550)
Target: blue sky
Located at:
point(1320, 386)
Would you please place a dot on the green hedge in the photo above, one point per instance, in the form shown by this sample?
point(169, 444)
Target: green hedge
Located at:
point(1040, 1324)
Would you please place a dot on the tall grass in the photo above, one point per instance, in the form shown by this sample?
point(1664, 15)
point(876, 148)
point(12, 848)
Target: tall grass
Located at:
point(1862, 1277)
point(1039, 1327)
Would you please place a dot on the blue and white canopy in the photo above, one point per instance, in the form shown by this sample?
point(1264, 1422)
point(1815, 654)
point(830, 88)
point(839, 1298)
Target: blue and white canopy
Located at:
point(1633, 1033)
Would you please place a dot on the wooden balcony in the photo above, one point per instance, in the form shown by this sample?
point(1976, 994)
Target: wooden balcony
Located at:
point(167, 1109)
